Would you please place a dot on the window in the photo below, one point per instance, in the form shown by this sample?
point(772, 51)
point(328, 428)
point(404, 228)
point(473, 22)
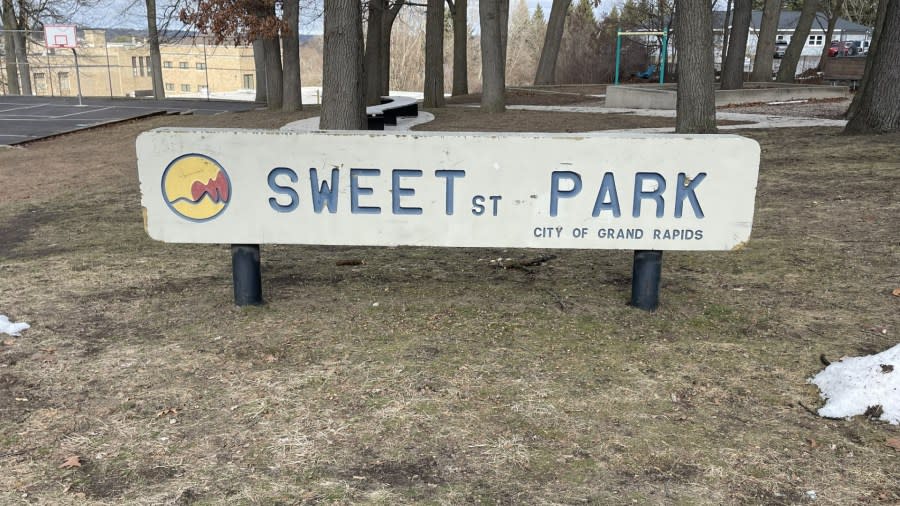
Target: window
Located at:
point(40, 82)
point(167, 64)
point(816, 40)
point(185, 87)
point(201, 66)
point(141, 63)
point(170, 86)
point(134, 67)
point(779, 37)
point(249, 82)
point(149, 67)
point(64, 88)
point(182, 65)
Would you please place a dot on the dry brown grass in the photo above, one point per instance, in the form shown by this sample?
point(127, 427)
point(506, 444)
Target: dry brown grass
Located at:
point(466, 383)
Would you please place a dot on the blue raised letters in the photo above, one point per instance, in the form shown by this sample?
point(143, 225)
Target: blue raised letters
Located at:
point(398, 191)
point(556, 193)
point(683, 191)
point(607, 191)
point(656, 195)
point(449, 176)
point(356, 191)
point(324, 195)
point(283, 190)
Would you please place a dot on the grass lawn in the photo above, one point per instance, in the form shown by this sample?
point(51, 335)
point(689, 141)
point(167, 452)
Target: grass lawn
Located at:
point(465, 383)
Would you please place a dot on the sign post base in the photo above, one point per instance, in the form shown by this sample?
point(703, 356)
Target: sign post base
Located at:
point(645, 278)
point(246, 273)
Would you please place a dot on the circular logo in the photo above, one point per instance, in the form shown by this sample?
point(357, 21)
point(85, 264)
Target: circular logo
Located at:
point(196, 187)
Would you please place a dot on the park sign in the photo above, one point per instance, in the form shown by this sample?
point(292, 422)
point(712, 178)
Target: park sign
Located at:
point(511, 190)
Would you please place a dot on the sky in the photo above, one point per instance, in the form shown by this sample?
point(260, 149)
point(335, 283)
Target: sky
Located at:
point(132, 14)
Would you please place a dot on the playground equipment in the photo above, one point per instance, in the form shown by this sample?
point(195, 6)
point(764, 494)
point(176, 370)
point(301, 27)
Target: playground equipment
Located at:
point(663, 54)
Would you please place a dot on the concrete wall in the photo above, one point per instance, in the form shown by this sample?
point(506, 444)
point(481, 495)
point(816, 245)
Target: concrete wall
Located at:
point(652, 96)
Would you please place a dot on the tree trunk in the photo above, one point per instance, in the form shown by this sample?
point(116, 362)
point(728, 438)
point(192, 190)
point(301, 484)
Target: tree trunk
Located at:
point(12, 70)
point(546, 71)
point(259, 64)
point(788, 67)
point(726, 32)
point(22, 49)
point(274, 74)
point(460, 47)
point(873, 49)
point(292, 99)
point(696, 104)
point(765, 45)
point(159, 91)
point(504, 34)
point(387, 24)
point(374, 52)
point(733, 68)
point(829, 32)
point(493, 68)
point(879, 107)
point(434, 54)
point(343, 78)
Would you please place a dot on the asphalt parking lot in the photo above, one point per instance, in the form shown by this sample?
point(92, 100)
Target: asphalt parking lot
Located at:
point(24, 119)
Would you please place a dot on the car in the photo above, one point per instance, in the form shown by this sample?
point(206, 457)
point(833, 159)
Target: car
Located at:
point(780, 48)
point(844, 48)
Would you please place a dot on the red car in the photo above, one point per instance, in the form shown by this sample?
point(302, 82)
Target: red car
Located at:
point(845, 48)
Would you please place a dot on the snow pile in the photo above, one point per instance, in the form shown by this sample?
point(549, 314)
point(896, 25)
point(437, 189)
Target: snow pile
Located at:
point(13, 329)
point(854, 384)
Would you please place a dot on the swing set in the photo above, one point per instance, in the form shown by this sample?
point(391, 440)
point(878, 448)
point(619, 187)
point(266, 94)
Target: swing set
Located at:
point(663, 54)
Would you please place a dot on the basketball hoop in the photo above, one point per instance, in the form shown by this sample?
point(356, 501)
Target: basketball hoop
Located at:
point(60, 36)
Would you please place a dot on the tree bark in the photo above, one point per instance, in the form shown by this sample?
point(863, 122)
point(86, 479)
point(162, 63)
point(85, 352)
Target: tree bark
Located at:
point(546, 71)
point(460, 46)
point(374, 52)
point(829, 31)
point(343, 78)
point(274, 74)
point(159, 91)
point(881, 9)
point(493, 68)
point(695, 105)
point(22, 50)
point(292, 99)
point(733, 68)
point(433, 93)
point(259, 65)
point(387, 24)
point(12, 70)
point(765, 45)
point(879, 106)
point(788, 67)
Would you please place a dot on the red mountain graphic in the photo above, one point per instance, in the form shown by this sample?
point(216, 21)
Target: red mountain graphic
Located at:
point(217, 189)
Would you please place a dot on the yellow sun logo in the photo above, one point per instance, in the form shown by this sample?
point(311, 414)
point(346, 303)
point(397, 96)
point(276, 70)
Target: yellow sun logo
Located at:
point(196, 187)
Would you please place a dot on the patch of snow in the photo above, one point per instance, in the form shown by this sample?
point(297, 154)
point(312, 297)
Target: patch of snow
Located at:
point(854, 384)
point(783, 102)
point(13, 329)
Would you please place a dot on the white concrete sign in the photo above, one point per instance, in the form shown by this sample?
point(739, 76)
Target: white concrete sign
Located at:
point(609, 191)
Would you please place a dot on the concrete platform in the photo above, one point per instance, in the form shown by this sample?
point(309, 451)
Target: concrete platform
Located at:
point(654, 96)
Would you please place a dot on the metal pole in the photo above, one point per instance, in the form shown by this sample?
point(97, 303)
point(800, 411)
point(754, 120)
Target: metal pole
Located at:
point(246, 274)
point(618, 54)
point(108, 68)
point(206, 69)
point(77, 76)
point(662, 59)
point(645, 278)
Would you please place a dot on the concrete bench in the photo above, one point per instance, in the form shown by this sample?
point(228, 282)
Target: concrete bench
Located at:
point(389, 110)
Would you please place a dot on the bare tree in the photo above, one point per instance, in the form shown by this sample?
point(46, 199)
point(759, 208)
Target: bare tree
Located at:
point(460, 45)
point(546, 71)
point(765, 45)
point(259, 66)
point(733, 67)
point(159, 91)
point(879, 106)
point(292, 99)
point(343, 78)
point(873, 48)
point(792, 54)
point(9, 26)
point(833, 10)
point(696, 103)
point(387, 25)
point(434, 54)
point(493, 67)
